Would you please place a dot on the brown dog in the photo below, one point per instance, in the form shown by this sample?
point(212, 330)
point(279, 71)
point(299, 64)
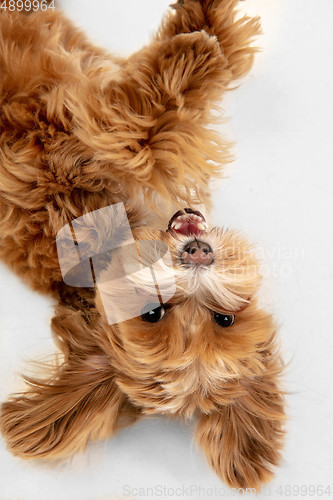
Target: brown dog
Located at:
point(81, 131)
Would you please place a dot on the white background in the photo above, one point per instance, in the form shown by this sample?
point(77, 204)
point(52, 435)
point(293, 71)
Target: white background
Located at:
point(279, 192)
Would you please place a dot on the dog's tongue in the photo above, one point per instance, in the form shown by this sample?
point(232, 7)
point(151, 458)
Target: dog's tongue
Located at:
point(187, 222)
point(188, 228)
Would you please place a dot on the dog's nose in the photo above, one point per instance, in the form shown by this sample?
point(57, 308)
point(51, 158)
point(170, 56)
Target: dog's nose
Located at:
point(197, 252)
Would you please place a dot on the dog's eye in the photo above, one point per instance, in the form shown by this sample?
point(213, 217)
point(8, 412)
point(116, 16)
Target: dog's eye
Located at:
point(154, 315)
point(224, 320)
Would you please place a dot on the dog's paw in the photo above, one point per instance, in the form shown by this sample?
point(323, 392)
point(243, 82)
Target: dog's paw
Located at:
point(198, 43)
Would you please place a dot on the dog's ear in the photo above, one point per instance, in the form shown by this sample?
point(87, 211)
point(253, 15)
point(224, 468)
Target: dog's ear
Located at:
point(243, 437)
point(75, 401)
point(243, 440)
point(56, 417)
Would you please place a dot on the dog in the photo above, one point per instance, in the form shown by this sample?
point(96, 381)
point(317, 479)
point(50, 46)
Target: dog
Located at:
point(109, 149)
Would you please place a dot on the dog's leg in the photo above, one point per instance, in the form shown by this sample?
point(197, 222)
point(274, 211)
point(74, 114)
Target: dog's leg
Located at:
point(214, 19)
point(48, 177)
point(242, 441)
point(174, 82)
point(217, 18)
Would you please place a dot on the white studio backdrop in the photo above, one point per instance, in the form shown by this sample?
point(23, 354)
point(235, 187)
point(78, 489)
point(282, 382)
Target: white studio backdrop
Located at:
point(278, 192)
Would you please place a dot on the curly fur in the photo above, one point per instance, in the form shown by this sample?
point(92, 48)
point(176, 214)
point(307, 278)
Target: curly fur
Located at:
point(81, 130)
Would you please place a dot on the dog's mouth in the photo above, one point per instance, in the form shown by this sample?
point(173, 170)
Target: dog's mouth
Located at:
point(187, 222)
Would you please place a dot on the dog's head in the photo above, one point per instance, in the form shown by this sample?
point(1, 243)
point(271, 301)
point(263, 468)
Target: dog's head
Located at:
point(197, 304)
